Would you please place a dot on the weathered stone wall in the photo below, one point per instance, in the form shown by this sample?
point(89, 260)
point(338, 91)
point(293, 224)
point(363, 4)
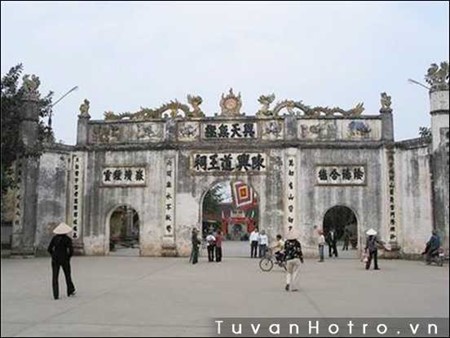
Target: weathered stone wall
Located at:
point(122, 144)
point(52, 191)
point(414, 195)
point(315, 200)
point(101, 200)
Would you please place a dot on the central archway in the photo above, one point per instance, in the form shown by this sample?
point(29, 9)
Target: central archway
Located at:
point(232, 207)
point(343, 220)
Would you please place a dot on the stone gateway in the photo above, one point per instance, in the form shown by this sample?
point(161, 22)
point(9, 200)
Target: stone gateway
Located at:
point(157, 165)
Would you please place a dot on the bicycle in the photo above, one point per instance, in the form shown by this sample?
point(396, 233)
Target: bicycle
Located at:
point(269, 260)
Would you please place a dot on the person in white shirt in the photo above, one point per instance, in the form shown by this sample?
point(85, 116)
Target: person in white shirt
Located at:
point(321, 244)
point(254, 236)
point(263, 242)
point(211, 246)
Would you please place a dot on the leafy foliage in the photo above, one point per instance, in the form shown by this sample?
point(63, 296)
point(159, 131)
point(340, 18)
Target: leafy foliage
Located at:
point(211, 202)
point(12, 116)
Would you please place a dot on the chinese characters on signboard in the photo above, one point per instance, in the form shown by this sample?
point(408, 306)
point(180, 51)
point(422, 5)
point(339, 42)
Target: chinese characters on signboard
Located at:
point(291, 178)
point(119, 176)
point(170, 198)
point(341, 175)
point(76, 195)
point(18, 197)
point(229, 130)
point(392, 230)
point(229, 162)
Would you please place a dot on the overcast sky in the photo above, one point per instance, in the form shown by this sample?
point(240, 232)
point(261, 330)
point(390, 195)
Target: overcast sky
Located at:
point(127, 55)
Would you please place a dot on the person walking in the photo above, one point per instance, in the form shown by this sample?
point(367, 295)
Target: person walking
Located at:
point(294, 256)
point(219, 240)
point(61, 250)
point(254, 237)
point(332, 241)
point(195, 246)
point(371, 248)
point(211, 246)
point(263, 243)
point(321, 245)
point(346, 238)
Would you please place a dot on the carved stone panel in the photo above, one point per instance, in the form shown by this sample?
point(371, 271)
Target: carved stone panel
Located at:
point(128, 132)
point(229, 163)
point(341, 129)
point(124, 176)
point(229, 130)
point(188, 131)
point(340, 175)
point(272, 130)
point(317, 129)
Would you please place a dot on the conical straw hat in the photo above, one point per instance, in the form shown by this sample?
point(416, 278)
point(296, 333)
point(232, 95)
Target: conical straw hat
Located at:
point(371, 232)
point(62, 229)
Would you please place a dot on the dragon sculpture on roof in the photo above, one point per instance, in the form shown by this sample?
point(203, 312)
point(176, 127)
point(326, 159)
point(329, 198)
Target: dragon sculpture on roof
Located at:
point(171, 109)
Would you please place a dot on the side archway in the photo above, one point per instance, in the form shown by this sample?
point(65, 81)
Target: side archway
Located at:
point(124, 228)
point(345, 223)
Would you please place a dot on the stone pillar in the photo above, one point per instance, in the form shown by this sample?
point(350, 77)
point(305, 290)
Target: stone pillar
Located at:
point(387, 124)
point(24, 226)
point(290, 127)
point(439, 110)
point(394, 253)
point(169, 248)
point(82, 126)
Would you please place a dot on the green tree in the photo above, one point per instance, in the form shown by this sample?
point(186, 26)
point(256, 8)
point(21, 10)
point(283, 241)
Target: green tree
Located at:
point(211, 202)
point(12, 115)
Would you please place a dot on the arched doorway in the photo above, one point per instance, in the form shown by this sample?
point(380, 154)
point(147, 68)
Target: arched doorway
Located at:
point(232, 207)
point(343, 220)
point(124, 232)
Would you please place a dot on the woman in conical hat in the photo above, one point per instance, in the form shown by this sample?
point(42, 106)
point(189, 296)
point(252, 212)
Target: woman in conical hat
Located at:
point(62, 229)
point(371, 232)
point(371, 248)
point(61, 250)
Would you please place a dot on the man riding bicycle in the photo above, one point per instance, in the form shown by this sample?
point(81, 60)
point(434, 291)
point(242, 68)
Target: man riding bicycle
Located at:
point(278, 248)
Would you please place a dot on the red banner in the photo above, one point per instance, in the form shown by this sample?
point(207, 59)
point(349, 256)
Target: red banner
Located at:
point(243, 197)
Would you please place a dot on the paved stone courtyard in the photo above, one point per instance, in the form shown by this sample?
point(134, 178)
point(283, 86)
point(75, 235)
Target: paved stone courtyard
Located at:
point(144, 296)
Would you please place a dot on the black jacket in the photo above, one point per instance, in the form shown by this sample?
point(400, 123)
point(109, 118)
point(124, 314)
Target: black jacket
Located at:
point(331, 237)
point(60, 248)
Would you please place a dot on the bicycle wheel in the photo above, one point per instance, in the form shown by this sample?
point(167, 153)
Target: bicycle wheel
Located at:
point(266, 264)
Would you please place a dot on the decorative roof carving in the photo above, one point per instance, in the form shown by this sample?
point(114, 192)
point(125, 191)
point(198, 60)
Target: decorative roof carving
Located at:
point(84, 109)
point(231, 104)
point(195, 102)
point(437, 77)
point(290, 106)
point(386, 102)
point(265, 100)
point(172, 109)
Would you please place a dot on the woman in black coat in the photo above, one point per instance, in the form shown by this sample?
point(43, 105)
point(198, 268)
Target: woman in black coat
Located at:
point(61, 250)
